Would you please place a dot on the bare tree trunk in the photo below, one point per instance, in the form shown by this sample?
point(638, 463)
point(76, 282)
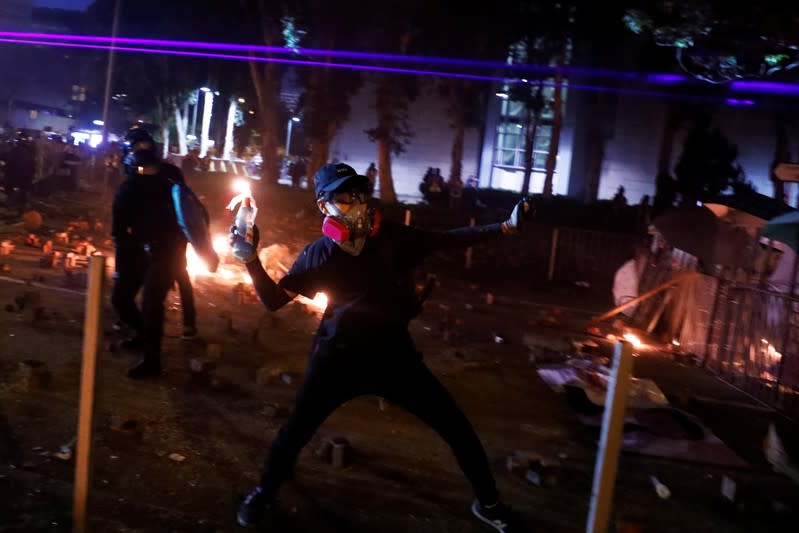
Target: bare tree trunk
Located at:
point(781, 155)
point(557, 121)
point(266, 83)
point(385, 126)
point(180, 125)
point(165, 138)
point(387, 193)
point(667, 140)
point(265, 89)
point(457, 145)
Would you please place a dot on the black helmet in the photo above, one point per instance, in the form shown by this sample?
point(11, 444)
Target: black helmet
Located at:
point(141, 150)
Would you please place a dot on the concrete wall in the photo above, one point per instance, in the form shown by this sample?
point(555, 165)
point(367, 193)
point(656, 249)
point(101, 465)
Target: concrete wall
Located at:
point(631, 153)
point(429, 147)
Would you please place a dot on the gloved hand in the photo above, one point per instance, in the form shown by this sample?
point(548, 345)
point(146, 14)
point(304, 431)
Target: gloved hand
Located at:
point(522, 212)
point(243, 250)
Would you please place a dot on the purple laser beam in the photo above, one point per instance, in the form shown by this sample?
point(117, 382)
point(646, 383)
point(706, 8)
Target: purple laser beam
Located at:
point(460, 62)
point(348, 66)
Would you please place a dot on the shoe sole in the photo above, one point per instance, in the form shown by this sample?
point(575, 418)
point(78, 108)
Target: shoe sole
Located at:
point(476, 513)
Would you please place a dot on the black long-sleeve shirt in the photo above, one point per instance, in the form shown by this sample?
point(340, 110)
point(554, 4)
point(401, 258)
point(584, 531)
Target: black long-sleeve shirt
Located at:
point(143, 210)
point(371, 296)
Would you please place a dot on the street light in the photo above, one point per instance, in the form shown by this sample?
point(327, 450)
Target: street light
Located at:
point(292, 120)
point(242, 100)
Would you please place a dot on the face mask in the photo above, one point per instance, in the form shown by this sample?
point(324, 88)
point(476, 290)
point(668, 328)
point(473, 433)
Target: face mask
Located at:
point(350, 230)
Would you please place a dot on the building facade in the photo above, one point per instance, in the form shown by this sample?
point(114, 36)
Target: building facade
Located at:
point(631, 129)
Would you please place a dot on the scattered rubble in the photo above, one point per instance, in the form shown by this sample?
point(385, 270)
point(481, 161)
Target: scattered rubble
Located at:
point(34, 375)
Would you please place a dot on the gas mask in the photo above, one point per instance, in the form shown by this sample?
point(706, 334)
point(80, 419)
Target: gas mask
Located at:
point(349, 230)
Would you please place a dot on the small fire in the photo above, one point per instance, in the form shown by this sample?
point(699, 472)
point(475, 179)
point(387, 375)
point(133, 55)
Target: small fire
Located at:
point(319, 302)
point(220, 244)
point(196, 266)
point(634, 340)
point(242, 186)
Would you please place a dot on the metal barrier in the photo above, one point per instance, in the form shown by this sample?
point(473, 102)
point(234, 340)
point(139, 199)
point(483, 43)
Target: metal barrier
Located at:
point(754, 344)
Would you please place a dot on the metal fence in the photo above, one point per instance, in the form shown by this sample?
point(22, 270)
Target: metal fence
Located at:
point(754, 343)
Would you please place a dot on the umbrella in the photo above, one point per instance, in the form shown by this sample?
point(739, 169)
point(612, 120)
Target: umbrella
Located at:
point(698, 231)
point(784, 228)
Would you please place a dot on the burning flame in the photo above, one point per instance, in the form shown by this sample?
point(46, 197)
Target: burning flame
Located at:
point(634, 340)
point(319, 302)
point(242, 186)
point(220, 244)
point(196, 266)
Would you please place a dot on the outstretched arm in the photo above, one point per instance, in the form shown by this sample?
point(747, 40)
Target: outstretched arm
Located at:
point(471, 235)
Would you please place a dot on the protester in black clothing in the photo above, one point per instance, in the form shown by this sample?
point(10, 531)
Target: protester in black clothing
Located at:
point(150, 248)
point(363, 345)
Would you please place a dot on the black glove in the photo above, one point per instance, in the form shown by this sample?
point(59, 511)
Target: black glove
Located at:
point(249, 251)
point(522, 212)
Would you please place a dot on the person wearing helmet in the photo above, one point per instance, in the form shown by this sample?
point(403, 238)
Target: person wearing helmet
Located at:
point(150, 250)
point(363, 346)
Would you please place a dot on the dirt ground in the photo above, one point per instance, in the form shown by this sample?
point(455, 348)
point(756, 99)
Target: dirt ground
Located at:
point(220, 421)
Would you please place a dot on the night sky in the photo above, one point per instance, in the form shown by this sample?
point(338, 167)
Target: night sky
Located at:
point(64, 4)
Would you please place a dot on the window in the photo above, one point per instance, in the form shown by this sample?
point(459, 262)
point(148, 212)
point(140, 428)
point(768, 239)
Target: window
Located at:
point(510, 145)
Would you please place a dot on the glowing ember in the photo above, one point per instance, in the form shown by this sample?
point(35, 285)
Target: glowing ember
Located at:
point(242, 186)
point(196, 267)
point(320, 301)
point(220, 244)
point(634, 340)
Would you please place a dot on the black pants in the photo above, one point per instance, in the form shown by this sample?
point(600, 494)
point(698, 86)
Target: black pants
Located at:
point(154, 274)
point(132, 263)
point(402, 379)
point(186, 298)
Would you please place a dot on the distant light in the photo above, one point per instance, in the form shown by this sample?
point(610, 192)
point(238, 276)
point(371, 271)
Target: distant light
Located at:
point(524, 80)
point(251, 112)
point(216, 93)
point(205, 89)
point(770, 87)
point(699, 203)
point(242, 100)
point(295, 119)
point(519, 126)
point(140, 121)
point(666, 79)
point(739, 102)
point(503, 95)
point(191, 137)
point(98, 122)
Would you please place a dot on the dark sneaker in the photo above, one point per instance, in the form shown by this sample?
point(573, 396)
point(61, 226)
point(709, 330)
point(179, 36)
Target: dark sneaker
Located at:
point(189, 332)
point(252, 509)
point(133, 344)
point(146, 368)
point(498, 516)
